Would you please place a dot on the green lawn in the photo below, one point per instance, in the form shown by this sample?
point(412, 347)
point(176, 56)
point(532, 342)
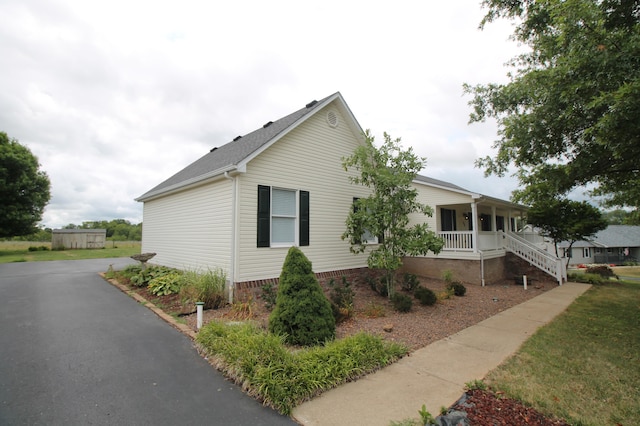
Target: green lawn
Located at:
point(585, 365)
point(627, 271)
point(18, 251)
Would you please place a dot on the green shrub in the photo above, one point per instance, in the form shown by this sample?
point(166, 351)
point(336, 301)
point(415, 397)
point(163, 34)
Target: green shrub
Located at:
point(269, 295)
point(38, 248)
point(603, 270)
point(425, 295)
point(447, 276)
point(302, 314)
point(341, 296)
point(401, 302)
point(379, 285)
point(207, 287)
point(166, 284)
point(457, 288)
point(140, 277)
point(283, 379)
point(594, 279)
point(410, 282)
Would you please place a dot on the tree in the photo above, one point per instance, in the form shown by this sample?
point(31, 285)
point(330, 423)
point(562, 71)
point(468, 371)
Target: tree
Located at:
point(389, 172)
point(622, 217)
point(566, 220)
point(24, 189)
point(302, 313)
point(569, 115)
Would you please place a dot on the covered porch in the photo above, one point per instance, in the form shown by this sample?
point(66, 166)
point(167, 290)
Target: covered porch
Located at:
point(468, 230)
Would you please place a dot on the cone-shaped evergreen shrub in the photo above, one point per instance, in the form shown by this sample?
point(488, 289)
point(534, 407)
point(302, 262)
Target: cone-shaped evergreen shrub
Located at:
point(302, 313)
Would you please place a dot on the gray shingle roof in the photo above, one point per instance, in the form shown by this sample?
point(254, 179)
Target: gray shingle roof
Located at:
point(432, 181)
point(232, 153)
point(613, 236)
point(619, 236)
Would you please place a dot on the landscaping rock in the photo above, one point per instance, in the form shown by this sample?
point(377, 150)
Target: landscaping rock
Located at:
point(453, 418)
point(388, 328)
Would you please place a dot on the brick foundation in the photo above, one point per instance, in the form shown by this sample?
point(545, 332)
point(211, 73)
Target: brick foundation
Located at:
point(465, 271)
point(246, 289)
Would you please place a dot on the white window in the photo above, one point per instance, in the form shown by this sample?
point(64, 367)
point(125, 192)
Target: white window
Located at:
point(367, 236)
point(283, 216)
point(586, 252)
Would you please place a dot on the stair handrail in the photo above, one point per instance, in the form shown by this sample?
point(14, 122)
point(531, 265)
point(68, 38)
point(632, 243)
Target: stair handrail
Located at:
point(542, 258)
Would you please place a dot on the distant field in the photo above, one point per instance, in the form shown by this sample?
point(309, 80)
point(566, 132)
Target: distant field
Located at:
point(18, 251)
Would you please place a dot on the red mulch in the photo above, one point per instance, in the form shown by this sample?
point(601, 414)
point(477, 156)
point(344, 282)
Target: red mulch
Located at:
point(486, 408)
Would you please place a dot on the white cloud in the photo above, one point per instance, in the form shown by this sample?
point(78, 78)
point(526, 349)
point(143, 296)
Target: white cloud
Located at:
point(115, 97)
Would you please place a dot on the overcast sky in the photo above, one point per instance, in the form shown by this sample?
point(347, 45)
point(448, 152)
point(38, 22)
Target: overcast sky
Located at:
point(114, 97)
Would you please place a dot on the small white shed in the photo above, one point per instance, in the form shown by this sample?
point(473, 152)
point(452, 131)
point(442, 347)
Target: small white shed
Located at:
point(78, 239)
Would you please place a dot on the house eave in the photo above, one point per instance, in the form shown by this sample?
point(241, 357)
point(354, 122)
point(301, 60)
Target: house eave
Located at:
point(191, 183)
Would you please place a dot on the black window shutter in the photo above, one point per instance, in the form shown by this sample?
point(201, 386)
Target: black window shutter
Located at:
point(304, 218)
point(355, 210)
point(264, 212)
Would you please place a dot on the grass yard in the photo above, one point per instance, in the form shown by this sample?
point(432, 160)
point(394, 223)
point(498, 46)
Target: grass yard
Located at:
point(627, 271)
point(584, 366)
point(18, 251)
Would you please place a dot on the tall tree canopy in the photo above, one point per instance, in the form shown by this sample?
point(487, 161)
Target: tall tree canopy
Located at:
point(389, 172)
point(24, 189)
point(570, 114)
point(566, 220)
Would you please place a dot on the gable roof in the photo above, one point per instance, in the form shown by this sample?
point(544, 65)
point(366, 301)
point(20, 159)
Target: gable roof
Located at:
point(241, 149)
point(236, 154)
point(612, 236)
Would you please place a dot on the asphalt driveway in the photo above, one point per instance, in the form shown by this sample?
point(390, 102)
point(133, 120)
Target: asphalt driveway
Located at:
point(76, 350)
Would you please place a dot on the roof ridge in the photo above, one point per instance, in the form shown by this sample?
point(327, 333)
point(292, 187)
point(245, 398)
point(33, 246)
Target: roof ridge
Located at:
point(233, 152)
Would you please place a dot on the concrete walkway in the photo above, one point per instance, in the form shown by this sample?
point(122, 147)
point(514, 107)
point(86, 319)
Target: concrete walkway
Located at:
point(436, 374)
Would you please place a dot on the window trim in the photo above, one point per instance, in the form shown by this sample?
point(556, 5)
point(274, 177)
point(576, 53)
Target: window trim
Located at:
point(265, 218)
point(295, 218)
point(377, 238)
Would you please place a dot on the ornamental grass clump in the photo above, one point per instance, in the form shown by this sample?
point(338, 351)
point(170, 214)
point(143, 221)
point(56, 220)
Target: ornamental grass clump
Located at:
point(302, 314)
point(281, 378)
point(207, 287)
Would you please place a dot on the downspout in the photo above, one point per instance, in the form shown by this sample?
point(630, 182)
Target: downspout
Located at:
point(232, 260)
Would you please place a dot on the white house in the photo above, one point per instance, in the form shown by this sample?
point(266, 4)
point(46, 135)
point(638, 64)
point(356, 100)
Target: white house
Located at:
point(616, 244)
point(242, 205)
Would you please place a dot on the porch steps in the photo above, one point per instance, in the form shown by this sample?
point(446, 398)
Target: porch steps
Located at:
point(537, 257)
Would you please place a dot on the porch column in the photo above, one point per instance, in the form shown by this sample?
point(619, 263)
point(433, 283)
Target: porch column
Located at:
point(474, 218)
point(494, 226)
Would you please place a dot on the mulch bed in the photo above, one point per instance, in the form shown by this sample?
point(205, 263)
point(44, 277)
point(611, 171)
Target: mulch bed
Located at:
point(488, 408)
point(483, 407)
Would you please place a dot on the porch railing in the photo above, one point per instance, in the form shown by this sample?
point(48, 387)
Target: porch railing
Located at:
point(542, 259)
point(457, 240)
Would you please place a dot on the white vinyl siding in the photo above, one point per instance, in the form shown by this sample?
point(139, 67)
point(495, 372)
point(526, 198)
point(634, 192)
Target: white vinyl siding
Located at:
point(438, 197)
point(309, 158)
point(190, 229)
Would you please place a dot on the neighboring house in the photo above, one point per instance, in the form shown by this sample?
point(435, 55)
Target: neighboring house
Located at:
point(616, 244)
point(242, 205)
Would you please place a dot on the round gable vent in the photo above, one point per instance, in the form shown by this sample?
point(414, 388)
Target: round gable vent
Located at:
point(332, 119)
